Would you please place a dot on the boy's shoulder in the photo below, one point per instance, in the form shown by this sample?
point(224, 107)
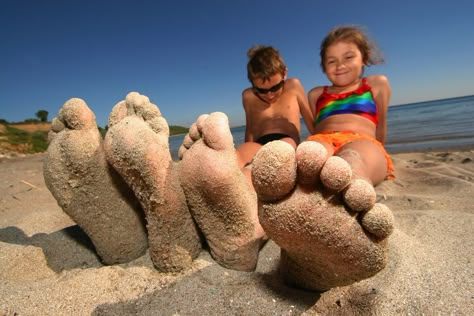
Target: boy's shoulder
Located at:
point(249, 99)
point(248, 93)
point(294, 82)
point(293, 86)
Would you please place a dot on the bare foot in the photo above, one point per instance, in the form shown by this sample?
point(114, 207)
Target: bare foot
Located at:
point(89, 190)
point(221, 200)
point(323, 243)
point(136, 145)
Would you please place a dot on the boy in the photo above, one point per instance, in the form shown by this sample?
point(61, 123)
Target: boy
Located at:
point(272, 105)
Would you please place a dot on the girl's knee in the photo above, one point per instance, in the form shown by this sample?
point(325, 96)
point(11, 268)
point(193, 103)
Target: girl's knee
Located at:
point(246, 152)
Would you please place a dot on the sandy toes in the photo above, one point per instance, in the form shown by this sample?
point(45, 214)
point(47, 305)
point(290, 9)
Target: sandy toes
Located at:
point(323, 243)
point(221, 200)
point(136, 145)
point(88, 189)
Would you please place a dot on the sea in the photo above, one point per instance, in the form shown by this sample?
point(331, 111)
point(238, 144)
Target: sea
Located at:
point(428, 125)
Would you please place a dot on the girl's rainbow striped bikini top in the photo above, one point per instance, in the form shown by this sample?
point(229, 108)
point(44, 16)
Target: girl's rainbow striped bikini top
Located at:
point(359, 101)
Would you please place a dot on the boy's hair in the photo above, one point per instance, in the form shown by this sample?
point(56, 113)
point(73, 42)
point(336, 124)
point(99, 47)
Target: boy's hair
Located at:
point(264, 62)
point(371, 55)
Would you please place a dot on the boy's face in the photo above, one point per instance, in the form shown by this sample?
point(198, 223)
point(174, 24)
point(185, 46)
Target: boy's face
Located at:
point(269, 90)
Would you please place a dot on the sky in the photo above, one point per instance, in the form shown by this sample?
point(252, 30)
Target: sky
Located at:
point(189, 56)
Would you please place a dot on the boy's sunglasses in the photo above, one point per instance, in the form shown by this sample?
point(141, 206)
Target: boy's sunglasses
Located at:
point(275, 88)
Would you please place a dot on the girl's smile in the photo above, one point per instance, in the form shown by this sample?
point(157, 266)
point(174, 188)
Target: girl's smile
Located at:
point(343, 63)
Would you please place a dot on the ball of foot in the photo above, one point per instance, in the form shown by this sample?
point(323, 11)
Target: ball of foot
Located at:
point(378, 221)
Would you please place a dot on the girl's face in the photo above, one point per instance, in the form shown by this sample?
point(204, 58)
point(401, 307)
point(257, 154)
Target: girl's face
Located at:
point(343, 63)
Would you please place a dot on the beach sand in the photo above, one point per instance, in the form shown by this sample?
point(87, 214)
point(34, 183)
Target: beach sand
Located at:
point(49, 267)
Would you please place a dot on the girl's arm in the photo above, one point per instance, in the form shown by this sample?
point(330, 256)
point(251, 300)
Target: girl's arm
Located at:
point(313, 96)
point(382, 92)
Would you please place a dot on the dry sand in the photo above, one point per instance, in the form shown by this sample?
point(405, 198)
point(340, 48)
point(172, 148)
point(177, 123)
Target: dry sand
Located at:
point(48, 265)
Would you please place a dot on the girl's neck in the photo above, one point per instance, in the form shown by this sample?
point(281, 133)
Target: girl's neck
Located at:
point(343, 89)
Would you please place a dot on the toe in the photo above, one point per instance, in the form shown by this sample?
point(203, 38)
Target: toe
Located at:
point(194, 133)
point(159, 126)
point(216, 132)
point(141, 106)
point(336, 173)
point(310, 158)
point(57, 125)
point(274, 170)
point(75, 114)
point(378, 221)
point(360, 195)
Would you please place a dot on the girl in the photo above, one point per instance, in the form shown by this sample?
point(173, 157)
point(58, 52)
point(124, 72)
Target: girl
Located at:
point(350, 115)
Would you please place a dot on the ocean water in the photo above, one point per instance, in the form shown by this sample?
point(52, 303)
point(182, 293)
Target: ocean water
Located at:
point(431, 124)
point(410, 127)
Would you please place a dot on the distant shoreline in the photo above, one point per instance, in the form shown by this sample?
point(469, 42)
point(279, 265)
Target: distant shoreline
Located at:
point(434, 100)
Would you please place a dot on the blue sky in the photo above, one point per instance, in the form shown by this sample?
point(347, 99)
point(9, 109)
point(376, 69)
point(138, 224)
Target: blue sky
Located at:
point(189, 57)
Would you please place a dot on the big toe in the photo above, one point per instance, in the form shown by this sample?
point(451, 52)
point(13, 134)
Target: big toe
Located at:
point(274, 170)
point(75, 114)
point(215, 131)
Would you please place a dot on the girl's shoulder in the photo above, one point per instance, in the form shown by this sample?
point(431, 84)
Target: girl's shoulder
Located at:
point(317, 91)
point(378, 81)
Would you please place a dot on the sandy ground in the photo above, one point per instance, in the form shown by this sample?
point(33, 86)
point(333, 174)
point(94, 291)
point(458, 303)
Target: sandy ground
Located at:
point(49, 267)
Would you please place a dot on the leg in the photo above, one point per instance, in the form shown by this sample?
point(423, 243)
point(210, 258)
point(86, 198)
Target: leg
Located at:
point(136, 145)
point(88, 189)
point(221, 200)
point(354, 169)
point(323, 243)
point(369, 168)
point(366, 160)
point(246, 152)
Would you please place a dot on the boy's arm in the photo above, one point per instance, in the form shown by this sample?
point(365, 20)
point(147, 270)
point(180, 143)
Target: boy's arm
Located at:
point(246, 102)
point(381, 88)
point(305, 110)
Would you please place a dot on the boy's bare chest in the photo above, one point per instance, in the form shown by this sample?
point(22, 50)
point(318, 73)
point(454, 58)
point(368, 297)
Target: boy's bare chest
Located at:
point(273, 114)
point(283, 107)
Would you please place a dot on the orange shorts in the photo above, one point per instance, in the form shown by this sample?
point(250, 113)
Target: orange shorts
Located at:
point(340, 138)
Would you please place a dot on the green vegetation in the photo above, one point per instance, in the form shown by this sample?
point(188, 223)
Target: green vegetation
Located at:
point(42, 115)
point(176, 130)
point(29, 121)
point(25, 142)
point(102, 131)
point(17, 140)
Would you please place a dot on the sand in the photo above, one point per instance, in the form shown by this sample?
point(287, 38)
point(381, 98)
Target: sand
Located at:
point(49, 267)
